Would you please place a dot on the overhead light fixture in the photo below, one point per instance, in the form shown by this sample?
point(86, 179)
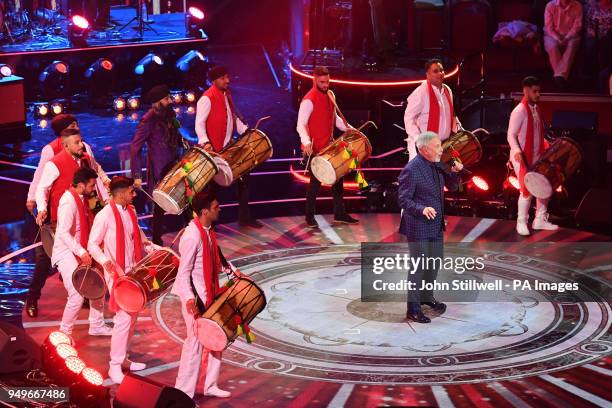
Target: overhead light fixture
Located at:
point(100, 78)
point(150, 72)
point(194, 22)
point(191, 69)
point(54, 80)
point(149, 62)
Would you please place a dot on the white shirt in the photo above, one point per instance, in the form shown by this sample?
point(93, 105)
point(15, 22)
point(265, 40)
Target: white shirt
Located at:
point(190, 267)
point(47, 172)
point(104, 231)
point(68, 230)
point(416, 115)
point(517, 130)
point(306, 108)
point(202, 111)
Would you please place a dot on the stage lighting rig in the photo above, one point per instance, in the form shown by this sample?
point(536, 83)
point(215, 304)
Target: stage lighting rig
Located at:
point(54, 80)
point(41, 109)
point(192, 68)
point(150, 72)
point(5, 71)
point(78, 31)
point(100, 77)
point(194, 22)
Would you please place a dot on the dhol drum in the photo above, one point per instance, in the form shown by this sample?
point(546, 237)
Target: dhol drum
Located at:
point(147, 280)
point(331, 164)
point(556, 165)
point(462, 146)
point(217, 328)
point(190, 175)
point(242, 156)
point(89, 281)
point(47, 237)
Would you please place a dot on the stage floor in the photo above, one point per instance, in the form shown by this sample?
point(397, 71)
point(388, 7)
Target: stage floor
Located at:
point(318, 345)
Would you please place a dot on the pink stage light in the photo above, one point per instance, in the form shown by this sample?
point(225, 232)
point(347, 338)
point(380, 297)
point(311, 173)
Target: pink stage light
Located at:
point(480, 183)
point(196, 12)
point(372, 83)
point(80, 21)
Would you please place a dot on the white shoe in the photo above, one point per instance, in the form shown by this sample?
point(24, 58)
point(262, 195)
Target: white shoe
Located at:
point(522, 228)
point(103, 330)
point(217, 392)
point(116, 374)
point(542, 223)
point(134, 366)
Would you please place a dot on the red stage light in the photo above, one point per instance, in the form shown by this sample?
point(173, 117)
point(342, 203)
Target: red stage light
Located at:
point(514, 182)
point(559, 189)
point(80, 21)
point(371, 83)
point(58, 337)
point(107, 65)
point(61, 68)
point(75, 364)
point(66, 350)
point(5, 70)
point(92, 376)
point(196, 12)
point(480, 183)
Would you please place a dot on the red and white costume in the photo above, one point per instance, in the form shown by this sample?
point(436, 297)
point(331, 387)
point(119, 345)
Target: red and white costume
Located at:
point(526, 136)
point(200, 263)
point(116, 227)
point(46, 174)
point(429, 109)
point(216, 119)
point(71, 236)
point(316, 126)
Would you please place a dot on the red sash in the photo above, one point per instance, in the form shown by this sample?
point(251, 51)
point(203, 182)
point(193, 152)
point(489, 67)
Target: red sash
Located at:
point(210, 262)
point(529, 143)
point(433, 121)
point(85, 216)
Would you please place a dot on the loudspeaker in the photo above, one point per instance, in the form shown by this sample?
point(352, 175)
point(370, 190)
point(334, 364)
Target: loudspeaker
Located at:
point(140, 392)
point(18, 352)
point(13, 110)
point(594, 209)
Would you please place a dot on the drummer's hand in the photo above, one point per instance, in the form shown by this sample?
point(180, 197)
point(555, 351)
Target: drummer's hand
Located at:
point(191, 307)
point(86, 259)
point(110, 267)
point(31, 205)
point(308, 149)
point(40, 218)
point(518, 157)
point(138, 183)
point(208, 147)
point(457, 167)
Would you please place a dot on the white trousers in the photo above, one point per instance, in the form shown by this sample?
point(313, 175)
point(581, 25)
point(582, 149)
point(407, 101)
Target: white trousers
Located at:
point(193, 355)
point(524, 202)
point(123, 329)
point(74, 302)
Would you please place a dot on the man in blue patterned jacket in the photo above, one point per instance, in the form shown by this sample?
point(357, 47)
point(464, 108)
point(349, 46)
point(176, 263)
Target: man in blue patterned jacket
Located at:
point(421, 198)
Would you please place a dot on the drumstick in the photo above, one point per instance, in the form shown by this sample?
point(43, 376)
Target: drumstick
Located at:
point(261, 120)
point(147, 194)
point(369, 122)
point(306, 171)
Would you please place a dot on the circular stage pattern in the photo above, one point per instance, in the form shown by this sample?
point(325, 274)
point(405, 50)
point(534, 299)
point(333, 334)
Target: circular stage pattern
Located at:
point(316, 327)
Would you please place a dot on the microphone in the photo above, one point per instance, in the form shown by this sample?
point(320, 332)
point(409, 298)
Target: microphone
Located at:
point(463, 170)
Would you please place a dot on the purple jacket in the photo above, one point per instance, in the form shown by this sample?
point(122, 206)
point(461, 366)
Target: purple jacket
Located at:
point(163, 143)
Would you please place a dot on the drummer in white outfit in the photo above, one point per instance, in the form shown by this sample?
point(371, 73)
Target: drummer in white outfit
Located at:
point(190, 276)
point(430, 108)
point(105, 232)
point(521, 139)
point(68, 245)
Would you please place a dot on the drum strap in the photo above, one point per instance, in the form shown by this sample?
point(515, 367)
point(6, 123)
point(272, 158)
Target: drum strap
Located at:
point(199, 302)
point(332, 98)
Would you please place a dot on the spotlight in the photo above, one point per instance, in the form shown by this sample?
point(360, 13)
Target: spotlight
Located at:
point(5, 71)
point(78, 30)
point(43, 124)
point(480, 183)
point(513, 181)
point(119, 117)
point(194, 22)
point(41, 108)
point(133, 102)
point(87, 390)
point(65, 350)
point(191, 110)
point(100, 78)
point(58, 337)
point(177, 97)
point(54, 80)
point(190, 97)
point(191, 69)
point(119, 104)
point(148, 62)
point(57, 107)
point(74, 364)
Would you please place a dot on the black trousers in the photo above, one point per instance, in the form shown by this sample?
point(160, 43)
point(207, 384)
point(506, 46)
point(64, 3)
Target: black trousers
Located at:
point(432, 248)
point(41, 272)
point(242, 186)
point(337, 194)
